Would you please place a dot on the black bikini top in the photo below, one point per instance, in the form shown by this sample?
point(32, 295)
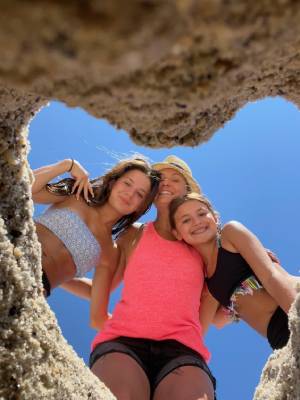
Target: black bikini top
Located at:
point(231, 270)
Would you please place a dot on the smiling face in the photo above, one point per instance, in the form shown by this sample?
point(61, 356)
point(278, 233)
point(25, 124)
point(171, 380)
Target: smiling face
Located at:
point(195, 223)
point(172, 185)
point(130, 192)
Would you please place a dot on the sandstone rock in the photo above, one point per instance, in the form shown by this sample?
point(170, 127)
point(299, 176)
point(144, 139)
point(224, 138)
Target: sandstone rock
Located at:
point(36, 363)
point(168, 72)
point(280, 378)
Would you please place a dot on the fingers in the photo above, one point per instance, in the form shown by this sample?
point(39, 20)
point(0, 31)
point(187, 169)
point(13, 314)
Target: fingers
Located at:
point(77, 188)
point(91, 189)
point(83, 185)
point(87, 189)
point(273, 256)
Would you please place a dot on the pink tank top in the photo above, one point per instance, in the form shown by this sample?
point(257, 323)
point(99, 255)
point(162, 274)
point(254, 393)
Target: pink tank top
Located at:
point(161, 295)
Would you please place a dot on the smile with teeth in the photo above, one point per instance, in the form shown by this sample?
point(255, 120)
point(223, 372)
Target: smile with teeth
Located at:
point(165, 192)
point(199, 230)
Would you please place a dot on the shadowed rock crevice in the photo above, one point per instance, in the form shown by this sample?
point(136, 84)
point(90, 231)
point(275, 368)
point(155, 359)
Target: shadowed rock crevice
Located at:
point(169, 72)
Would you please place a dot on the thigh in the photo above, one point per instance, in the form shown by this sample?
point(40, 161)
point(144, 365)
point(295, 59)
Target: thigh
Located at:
point(185, 383)
point(123, 376)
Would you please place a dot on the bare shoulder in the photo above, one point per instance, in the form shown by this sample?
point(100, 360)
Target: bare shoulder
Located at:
point(232, 227)
point(231, 233)
point(130, 234)
point(129, 239)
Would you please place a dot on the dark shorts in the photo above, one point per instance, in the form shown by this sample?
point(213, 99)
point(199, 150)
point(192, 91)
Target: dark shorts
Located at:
point(157, 358)
point(46, 284)
point(278, 332)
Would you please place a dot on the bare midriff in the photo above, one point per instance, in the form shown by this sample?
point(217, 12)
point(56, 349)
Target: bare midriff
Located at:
point(256, 309)
point(57, 261)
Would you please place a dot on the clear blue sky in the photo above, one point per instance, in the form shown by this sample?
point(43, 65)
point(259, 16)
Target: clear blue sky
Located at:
point(250, 170)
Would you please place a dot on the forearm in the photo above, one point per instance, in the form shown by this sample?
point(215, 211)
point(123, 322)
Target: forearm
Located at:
point(81, 287)
point(100, 296)
point(279, 285)
point(207, 310)
point(275, 280)
point(45, 174)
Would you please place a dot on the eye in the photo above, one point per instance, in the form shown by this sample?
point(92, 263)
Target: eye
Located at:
point(127, 183)
point(141, 195)
point(185, 220)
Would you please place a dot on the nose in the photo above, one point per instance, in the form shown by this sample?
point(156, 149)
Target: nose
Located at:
point(196, 220)
point(164, 182)
point(131, 193)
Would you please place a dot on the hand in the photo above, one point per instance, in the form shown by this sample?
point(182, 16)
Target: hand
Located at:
point(82, 182)
point(103, 319)
point(273, 256)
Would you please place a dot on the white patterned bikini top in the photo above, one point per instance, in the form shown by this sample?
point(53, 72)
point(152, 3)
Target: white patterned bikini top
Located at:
point(75, 235)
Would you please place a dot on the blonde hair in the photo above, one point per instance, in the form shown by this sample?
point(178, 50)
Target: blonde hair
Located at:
point(176, 203)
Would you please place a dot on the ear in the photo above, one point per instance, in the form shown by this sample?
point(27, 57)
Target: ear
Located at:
point(217, 219)
point(176, 234)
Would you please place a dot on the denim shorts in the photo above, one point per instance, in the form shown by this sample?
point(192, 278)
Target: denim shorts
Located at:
point(157, 358)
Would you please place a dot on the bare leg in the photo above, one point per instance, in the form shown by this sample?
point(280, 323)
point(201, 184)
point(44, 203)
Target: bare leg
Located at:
point(185, 383)
point(123, 376)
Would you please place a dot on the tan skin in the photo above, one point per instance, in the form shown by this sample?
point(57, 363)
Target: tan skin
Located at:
point(129, 380)
point(128, 194)
point(197, 225)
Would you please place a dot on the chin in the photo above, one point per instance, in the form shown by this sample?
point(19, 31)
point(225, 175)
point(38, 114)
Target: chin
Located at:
point(122, 210)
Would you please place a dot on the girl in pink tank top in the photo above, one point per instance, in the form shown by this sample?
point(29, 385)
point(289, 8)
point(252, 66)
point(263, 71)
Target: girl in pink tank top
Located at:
point(167, 278)
point(153, 347)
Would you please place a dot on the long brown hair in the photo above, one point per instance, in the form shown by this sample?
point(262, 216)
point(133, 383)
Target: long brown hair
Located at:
point(102, 188)
point(176, 203)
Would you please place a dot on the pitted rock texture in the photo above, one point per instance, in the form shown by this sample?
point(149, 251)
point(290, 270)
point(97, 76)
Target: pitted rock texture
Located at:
point(169, 72)
point(36, 363)
point(280, 378)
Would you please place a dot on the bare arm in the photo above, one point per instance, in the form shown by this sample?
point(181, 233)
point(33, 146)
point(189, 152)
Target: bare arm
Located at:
point(211, 313)
point(81, 287)
point(101, 287)
point(275, 280)
point(45, 174)
point(109, 274)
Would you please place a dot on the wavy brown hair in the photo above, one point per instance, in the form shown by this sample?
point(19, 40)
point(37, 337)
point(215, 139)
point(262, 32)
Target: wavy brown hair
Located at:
point(176, 203)
point(102, 188)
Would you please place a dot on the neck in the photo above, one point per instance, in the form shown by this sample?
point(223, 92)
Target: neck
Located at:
point(209, 253)
point(108, 215)
point(162, 225)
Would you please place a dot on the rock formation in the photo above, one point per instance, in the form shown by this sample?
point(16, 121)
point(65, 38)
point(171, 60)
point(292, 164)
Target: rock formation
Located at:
point(280, 378)
point(169, 72)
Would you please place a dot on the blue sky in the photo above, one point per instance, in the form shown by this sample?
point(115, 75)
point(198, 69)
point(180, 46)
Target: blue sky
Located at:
point(250, 170)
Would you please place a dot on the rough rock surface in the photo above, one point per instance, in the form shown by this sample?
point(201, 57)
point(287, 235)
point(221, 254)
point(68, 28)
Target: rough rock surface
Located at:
point(36, 363)
point(169, 72)
point(280, 379)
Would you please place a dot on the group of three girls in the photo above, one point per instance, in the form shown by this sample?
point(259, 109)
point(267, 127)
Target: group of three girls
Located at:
point(152, 346)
